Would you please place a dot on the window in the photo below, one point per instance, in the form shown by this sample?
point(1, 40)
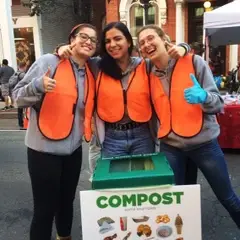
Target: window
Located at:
point(142, 12)
point(199, 12)
point(136, 19)
point(24, 44)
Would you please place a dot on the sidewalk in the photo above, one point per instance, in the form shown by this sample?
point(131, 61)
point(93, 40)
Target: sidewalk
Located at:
point(9, 114)
point(8, 124)
point(8, 119)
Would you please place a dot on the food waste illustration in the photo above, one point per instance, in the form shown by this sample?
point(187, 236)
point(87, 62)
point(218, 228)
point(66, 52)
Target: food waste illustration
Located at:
point(141, 228)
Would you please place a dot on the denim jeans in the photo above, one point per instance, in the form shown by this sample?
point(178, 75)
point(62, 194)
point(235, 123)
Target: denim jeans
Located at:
point(191, 172)
point(20, 117)
point(210, 160)
point(128, 142)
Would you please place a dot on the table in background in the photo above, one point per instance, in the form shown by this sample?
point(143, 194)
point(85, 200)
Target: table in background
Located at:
point(230, 127)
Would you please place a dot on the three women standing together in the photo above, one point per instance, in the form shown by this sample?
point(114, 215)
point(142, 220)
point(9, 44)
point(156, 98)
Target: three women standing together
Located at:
point(124, 92)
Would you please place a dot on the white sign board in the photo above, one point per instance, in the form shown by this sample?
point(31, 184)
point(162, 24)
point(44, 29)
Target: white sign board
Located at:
point(153, 213)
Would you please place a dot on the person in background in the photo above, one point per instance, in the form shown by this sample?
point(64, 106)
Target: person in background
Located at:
point(188, 127)
point(5, 73)
point(135, 52)
point(13, 81)
point(197, 48)
point(60, 115)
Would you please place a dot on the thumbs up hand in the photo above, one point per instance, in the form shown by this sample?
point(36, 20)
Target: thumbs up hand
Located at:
point(174, 51)
point(48, 83)
point(195, 94)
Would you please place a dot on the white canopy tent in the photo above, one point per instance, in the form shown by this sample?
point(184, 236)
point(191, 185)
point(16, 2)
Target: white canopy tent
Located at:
point(222, 25)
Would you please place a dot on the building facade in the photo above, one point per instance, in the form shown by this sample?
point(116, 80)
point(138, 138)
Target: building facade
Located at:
point(25, 38)
point(182, 20)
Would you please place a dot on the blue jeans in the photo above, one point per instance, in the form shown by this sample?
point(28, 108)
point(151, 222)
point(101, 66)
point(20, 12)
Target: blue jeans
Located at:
point(128, 142)
point(210, 160)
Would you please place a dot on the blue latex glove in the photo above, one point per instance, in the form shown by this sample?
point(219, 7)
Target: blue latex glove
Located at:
point(195, 94)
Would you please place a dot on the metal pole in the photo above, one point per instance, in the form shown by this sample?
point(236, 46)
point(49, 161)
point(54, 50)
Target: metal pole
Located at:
point(146, 6)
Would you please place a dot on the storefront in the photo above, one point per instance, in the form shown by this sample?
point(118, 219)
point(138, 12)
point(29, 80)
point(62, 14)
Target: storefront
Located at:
point(20, 39)
point(27, 39)
point(181, 19)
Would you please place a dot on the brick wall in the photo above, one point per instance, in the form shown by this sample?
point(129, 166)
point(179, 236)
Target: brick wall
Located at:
point(112, 13)
point(169, 27)
point(18, 10)
point(16, 2)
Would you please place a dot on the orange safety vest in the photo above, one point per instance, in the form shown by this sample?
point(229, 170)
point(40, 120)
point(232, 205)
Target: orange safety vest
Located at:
point(56, 115)
point(112, 99)
point(174, 113)
point(26, 118)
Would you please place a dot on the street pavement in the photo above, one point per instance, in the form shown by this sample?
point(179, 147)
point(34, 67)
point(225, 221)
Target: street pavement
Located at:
point(16, 199)
point(8, 119)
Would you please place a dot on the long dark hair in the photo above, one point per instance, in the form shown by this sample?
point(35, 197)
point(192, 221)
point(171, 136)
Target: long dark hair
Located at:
point(108, 64)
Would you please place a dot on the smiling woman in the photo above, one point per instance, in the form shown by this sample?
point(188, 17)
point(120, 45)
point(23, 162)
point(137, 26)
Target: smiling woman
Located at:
point(60, 115)
point(116, 44)
point(126, 121)
point(116, 49)
point(125, 110)
point(153, 42)
point(84, 42)
point(186, 100)
point(123, 117)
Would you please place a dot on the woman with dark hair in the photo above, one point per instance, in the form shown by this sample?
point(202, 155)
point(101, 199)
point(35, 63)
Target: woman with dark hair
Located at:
point(123, 105)
point(120, 85)
point(60, 94)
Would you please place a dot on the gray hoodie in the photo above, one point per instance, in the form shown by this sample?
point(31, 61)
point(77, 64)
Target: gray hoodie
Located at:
point(29, 91)
point(213, 105)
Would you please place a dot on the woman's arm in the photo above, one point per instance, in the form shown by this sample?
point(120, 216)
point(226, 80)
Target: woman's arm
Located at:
point(30, 89)
point(204, 91)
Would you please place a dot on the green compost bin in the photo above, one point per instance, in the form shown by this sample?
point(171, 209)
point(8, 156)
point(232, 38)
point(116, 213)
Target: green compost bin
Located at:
point(132, 171)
